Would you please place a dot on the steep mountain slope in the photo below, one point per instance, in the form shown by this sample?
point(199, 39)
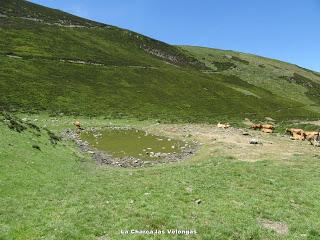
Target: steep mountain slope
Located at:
point(30, 30)
point(281, 78)
point(54, 61)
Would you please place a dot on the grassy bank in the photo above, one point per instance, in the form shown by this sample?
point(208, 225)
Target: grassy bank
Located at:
point(59, 193)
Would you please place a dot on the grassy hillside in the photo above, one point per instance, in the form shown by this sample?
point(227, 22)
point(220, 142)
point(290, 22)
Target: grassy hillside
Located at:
point(57, 62)
point(280, 78)
point(33, 31)
point(58, 193)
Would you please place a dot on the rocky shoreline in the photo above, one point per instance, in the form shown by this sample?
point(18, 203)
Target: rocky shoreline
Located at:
point(103, 158)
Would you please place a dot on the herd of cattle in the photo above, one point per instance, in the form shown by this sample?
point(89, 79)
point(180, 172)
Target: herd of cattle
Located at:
point(299, 134)
point(296, 134)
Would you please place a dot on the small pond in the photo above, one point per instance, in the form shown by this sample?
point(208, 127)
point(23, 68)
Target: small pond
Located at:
point(133, 143)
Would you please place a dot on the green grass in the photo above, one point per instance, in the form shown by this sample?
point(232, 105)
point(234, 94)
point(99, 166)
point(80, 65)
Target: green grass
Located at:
point(50, 190)
point(141, 93)
point(265, 73)
point(23, 34)
point(20, 8)
point(58, 193)
point(127, 75)
point(313, 88)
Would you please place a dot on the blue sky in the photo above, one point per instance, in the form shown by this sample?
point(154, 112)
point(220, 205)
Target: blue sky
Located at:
point(288, 30)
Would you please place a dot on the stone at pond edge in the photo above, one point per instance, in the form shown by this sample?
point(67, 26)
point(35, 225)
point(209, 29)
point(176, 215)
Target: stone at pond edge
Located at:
point(105, 158)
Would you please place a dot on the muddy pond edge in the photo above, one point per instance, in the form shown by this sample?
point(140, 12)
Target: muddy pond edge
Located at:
point(104, 158)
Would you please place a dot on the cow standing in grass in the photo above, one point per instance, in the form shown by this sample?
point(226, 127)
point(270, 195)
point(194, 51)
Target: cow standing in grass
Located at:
point(78, 126)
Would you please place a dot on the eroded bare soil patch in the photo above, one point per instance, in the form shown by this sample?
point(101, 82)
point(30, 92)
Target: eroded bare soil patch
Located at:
point(279, 227)
point(234, 142)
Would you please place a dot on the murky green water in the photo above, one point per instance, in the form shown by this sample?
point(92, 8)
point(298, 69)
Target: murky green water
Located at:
point(133, 143)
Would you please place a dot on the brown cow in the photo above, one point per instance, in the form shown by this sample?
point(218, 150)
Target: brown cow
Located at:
point(316, 141)
point(311, 135)
point(267, 126)
point(313, 138)
point(256, 126)
point(295, 130)
point(297, 136)
point(296, 133)
point(77, 124)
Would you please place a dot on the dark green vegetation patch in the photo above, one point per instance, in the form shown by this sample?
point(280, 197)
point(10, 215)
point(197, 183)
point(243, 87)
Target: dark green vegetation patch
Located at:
point(222, 66)
point(18, 125)
point(13, 123)
point(240, 60)
point(313, 87)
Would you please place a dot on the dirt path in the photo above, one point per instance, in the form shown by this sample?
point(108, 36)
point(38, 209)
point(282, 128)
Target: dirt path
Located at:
point(317, 123)
point(81, 62)
point(232, 142)
point(60, 24)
